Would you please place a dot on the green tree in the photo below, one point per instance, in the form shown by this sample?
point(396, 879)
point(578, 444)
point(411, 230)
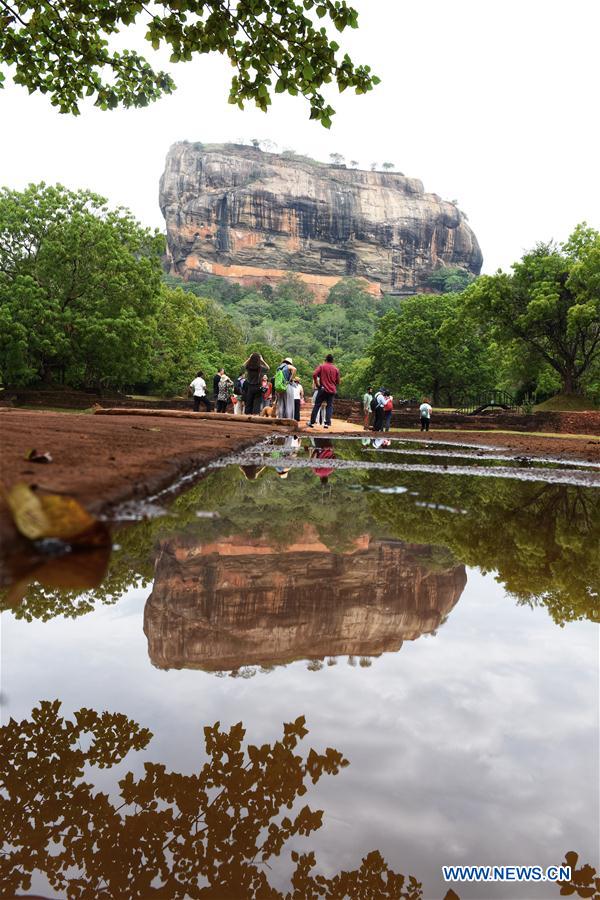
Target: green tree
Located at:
point(61, 48)
point(427, 348)
point(549, 306)
point(191, 333)
point(79, 287)
point(450, 279)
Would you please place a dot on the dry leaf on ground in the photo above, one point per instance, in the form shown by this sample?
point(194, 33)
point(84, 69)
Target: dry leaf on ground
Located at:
point(38, 515)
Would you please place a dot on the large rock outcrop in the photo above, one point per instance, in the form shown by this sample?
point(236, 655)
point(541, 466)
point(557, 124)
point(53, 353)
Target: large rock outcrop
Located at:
point(255, 217)
point(240, 602)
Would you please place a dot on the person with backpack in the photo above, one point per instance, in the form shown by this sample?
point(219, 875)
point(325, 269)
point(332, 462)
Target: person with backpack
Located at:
point(425, 410)
point(284, 389)
point(377, 405)
point(256, 367)
point(326, 379)
point(388, 408)
point(239, 389)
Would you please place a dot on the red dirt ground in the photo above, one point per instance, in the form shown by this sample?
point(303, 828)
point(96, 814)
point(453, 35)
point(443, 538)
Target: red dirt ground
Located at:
point(105, 460)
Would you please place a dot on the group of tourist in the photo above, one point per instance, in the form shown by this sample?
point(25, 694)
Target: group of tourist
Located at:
point(282, 395)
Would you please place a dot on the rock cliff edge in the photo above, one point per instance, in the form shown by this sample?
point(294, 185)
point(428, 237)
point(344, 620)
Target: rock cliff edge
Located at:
point(254, 217)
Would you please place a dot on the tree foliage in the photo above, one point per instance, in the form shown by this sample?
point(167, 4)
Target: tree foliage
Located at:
point(428, 348)
point(549, 306)
point(450, 279)
point(79, 285)
point(62, 48)
point(210, 833)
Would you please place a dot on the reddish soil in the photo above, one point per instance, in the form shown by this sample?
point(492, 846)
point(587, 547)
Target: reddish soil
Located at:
point(105, 460)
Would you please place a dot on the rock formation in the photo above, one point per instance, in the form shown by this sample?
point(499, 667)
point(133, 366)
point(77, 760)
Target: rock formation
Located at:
point(240, 602)
point(255, 217)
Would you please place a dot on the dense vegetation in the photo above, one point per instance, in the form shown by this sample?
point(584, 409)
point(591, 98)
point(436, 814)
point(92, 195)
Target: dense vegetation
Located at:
point(84, 302)
point(62, 48)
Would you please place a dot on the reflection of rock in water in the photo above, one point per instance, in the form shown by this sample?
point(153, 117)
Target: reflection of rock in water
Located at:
point(239, 601)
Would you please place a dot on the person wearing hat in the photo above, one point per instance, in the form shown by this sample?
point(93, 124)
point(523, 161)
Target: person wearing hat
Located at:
point(285, 394)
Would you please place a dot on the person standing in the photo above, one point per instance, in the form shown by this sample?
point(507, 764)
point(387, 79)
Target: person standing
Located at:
point(379, 401)
point(266, 390)
point(388, 408)
point(198, 388)
point(425, 410)
point(321, 413)
point(216, 379)
point(256, 367)
point(326, 379)
point(366, 402)
point(224, 392)
point(284, 390)
point(239, 389)
point(298, 397)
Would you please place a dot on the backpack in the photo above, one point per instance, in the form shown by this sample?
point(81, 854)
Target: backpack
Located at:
point(374, 403)
point(281, 381)
point(389, 405)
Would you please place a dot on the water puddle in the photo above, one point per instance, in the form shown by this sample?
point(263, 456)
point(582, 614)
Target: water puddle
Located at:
point(433, 638)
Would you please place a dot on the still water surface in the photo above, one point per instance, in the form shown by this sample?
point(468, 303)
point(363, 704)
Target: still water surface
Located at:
point(439, 632)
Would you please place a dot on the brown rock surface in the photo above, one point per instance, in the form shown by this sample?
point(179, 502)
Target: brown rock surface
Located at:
point(254, 217)
point(239, 601)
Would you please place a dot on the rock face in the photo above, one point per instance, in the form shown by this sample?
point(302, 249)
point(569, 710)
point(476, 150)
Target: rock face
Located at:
point(239, 602)
point(255, 217)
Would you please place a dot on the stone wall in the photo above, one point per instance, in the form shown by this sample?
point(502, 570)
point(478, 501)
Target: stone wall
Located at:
point(549, 422)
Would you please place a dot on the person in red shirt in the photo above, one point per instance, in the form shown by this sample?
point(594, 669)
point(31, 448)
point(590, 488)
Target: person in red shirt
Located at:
point(326, 378)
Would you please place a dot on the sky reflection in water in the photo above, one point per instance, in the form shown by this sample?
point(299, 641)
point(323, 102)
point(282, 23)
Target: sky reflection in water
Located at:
point(478, 744)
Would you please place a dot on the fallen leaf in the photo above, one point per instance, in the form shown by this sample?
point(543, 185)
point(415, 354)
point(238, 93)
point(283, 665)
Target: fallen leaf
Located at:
point(34, 456)
point(47, 515)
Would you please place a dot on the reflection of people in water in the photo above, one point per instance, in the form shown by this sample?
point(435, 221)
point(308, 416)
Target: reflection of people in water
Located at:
point(323, 449)
point(291, 446)
point(251, 473)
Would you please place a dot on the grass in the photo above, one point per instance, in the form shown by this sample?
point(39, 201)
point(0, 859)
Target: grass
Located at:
point(567, 403)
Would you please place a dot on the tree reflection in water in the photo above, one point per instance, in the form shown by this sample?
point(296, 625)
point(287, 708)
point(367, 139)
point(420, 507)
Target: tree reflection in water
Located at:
point(209, 834)
point(541, 539)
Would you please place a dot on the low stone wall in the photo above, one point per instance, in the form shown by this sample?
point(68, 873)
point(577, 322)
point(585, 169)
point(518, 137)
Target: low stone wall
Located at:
point(551, 422)
point(82, 400)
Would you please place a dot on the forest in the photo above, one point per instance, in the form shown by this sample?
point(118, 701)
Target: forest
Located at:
point(85, 302)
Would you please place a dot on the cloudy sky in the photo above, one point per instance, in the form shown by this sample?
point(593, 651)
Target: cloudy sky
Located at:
point(491, 104)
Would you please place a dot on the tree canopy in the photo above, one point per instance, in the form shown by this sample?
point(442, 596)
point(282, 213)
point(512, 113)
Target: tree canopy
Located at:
point(62, 48)
point(549, 306)
point(427, 348)
point(78, 286)
point(208, 833)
